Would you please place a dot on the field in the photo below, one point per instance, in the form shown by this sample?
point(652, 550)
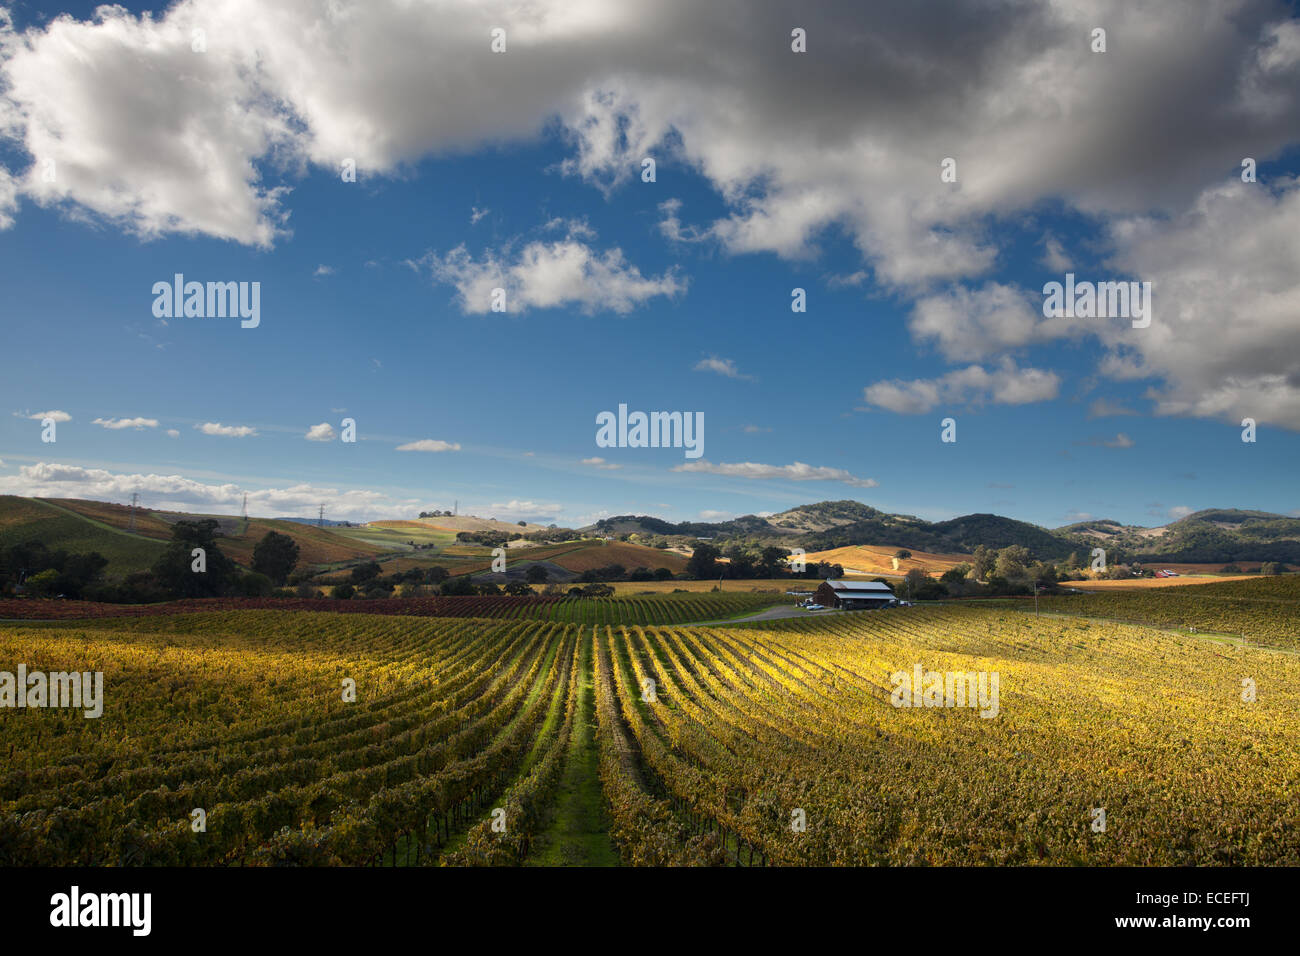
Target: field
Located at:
point(1147, 584)
point(775, 744)
point(872, 560)
point(31, 519)
point(1266, 610)
point(79, 526)
point(627, 609)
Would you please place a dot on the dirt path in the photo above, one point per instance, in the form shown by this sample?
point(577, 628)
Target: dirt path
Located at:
point(578, 835)
point(771, 614)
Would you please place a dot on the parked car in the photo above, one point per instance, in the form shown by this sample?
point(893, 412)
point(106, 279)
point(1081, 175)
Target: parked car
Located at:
point(814, 607)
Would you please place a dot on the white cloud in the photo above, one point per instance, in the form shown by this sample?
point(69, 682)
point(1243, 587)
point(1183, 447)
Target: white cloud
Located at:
point(173, 433)
point(514, 509)
point(725, 367)
point(1224, 342)
point(322, 432)
point(1005, 384)
point(1054, 255)
point(226, 431)
point(323, 270)
point(119, 423)
point(1177, 512)
point(179, 493)
point(797, 471)
point(429, 444)
point(54, 414)
point(754, 429)
point(598, 462)
point(476, 214)
point(710, 515)
point(548, 275)
point(979, 323)
point(1119, 441)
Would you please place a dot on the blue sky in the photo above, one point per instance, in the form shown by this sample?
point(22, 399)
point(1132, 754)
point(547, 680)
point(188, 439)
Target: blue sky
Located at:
point(921, 301)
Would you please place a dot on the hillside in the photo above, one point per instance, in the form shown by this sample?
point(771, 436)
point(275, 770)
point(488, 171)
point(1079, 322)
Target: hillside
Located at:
point(58, 527)
point(1212, 536)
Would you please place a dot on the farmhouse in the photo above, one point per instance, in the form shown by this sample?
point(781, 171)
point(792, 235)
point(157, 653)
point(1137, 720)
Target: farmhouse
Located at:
point(854, 595)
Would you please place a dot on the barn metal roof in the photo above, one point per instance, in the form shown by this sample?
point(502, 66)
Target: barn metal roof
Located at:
point(861, 586)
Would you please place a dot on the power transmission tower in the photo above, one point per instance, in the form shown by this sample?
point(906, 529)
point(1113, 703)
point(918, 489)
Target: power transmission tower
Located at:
point(455, 509)
point(320, 523)
point(135, 499)
point(245, 531)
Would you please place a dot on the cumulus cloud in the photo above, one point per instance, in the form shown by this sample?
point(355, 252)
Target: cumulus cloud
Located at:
point(598, 462)
point(709, 514)
point(429, 444)
point(322, 432)
point(53, 414)
point(853, 136)
point(120, 423)
point(545, 275)
point(173, 433)
point(721, 366)
point(978, 323)
point(179, 493)
point(797, 471)
point(1223, 342)
point(226, 431)
point(1004, 384)
point(323, 270)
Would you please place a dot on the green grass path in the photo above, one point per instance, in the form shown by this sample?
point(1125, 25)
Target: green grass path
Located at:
point(578, 834)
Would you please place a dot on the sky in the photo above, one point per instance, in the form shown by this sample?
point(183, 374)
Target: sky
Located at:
point(215, 139)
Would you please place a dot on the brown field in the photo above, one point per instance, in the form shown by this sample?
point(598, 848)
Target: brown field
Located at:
point(455, 523)
point(118, 516)
point(1144, 584)
point(878, 559)
point(588, 557)
point(1247, 567)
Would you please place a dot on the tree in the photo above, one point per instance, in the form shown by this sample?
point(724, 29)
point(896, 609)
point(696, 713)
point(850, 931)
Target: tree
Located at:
point(1012, 562)
point(663, 574)
point(175, 568)
point(460, 585)
point(344, 591)
point(519, 588)
point(253, 584)
point(537, 574)
point(902, 554)
point(703, 564)
point(983, 562)
point(772, 561)
point(276, 555)
point(365, 572)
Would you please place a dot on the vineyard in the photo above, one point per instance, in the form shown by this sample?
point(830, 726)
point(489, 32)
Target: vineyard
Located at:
point(707, 744)
point(628, 609)
point(1265, 610)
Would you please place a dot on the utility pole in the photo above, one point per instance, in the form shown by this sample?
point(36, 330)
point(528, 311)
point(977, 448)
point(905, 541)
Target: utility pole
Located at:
point(135, 499)
point(1035, 599)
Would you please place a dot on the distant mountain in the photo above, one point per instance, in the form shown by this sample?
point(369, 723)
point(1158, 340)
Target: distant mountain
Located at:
point(1214, 535)
point(1210, 536)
